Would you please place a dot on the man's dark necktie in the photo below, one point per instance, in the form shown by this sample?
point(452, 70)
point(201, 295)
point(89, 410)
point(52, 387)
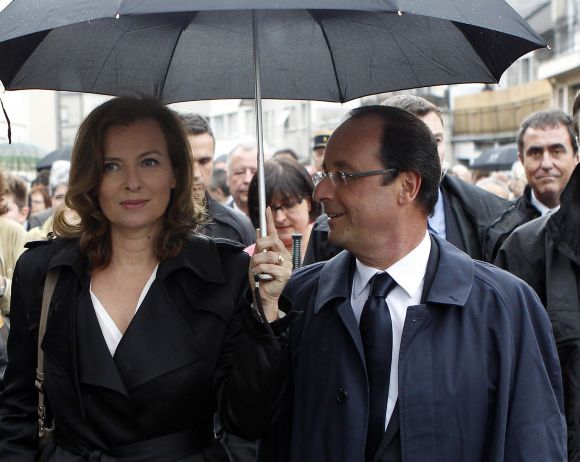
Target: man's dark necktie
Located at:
point(377, 336)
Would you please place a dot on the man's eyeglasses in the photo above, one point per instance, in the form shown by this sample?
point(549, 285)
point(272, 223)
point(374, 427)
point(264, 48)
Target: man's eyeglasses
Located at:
point(342, 178)
point(287, 206)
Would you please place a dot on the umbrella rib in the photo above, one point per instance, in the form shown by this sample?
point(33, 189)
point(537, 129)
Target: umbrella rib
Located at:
point(323, 30)
point(162, 87)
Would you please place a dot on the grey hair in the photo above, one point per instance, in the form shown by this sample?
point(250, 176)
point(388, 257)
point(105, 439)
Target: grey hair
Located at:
point(58, 175)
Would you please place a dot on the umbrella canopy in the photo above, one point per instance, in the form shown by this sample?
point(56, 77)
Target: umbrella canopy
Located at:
point(63, 153)
point(501, 158)
point(331, 50)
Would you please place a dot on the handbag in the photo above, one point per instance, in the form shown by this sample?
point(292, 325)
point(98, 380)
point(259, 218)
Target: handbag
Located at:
point(45, 425)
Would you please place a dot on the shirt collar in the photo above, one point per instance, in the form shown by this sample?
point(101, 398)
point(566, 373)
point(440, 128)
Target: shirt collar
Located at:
point(541, 207)
point(408, 272)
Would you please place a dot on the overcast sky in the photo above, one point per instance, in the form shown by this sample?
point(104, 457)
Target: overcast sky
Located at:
point(523, 7)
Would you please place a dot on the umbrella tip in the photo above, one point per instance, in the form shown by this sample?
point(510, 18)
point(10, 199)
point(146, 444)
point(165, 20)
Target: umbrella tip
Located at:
point(8, 124)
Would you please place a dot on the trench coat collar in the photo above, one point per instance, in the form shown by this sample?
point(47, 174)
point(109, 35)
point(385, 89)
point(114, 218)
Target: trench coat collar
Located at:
point(334, 280)
point(564, 224)
point(198, 255)
point(451, 284)
point(67, 252)
point(453, 279)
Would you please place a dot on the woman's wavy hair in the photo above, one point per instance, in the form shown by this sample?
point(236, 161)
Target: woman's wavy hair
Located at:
point(185, 211)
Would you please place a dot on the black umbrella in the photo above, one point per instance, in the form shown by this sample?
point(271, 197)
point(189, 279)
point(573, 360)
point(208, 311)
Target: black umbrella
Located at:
point(332, 50)
point(63, 153)
point(500, 158)
point(309, 49)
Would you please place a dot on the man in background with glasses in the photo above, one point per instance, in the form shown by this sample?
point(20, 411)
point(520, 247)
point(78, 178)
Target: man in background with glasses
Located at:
point(402, 347)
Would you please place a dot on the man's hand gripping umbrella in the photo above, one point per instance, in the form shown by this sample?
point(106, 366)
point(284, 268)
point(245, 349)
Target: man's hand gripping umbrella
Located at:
point(270, 258)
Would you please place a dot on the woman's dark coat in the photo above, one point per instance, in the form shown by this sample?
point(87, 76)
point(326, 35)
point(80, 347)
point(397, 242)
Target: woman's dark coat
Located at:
point(173, 364)
point(546, 254)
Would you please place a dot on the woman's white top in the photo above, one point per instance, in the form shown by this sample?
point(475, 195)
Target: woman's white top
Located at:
point(110, 331)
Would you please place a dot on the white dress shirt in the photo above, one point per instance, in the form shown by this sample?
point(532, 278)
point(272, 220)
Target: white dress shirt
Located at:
point(109, 329)
point(541, 207)
point(409, 274)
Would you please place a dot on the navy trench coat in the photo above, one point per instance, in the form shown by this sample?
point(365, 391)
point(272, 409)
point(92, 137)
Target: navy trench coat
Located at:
point(479, 378)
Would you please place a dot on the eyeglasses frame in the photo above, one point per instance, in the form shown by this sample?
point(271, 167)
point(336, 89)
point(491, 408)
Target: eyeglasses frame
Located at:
point(345, 177)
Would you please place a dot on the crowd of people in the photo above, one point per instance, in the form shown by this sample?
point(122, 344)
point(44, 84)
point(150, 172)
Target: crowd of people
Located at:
point(395, 337)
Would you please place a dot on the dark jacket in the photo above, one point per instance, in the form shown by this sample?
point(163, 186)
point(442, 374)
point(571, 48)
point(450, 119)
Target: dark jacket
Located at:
point(546, 254)
point(478, 373)
point(227, 223)
point(519, 213)
point(174, 362)
point(468, 212)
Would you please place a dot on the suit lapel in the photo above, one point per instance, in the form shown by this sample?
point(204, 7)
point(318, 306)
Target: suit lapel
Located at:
point(96, 365)
point(149, 348)
point(348, 319)
point(335, 285)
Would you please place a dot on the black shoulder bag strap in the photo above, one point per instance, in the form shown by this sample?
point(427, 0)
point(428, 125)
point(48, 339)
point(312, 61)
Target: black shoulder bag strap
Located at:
point(44, 428)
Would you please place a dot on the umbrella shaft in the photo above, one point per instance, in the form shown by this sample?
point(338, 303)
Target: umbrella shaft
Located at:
point(259, 130)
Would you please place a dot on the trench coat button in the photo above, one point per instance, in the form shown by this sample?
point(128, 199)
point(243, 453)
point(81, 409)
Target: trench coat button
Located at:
point(341, 395)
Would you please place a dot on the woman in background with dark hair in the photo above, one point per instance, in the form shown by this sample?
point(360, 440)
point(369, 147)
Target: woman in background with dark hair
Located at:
point(146, 313)
point(289, 190)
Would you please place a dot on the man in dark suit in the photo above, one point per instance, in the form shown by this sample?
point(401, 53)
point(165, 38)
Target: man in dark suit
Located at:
point(462, 212)
point(224, 222)
point(548, 150)
point(402, 347)
point(545, 253)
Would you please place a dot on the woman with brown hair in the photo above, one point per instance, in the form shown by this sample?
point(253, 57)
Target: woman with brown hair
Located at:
point(146, 314)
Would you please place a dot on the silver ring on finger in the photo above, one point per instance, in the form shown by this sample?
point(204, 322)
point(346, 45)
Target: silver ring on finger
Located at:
point(280, 259)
